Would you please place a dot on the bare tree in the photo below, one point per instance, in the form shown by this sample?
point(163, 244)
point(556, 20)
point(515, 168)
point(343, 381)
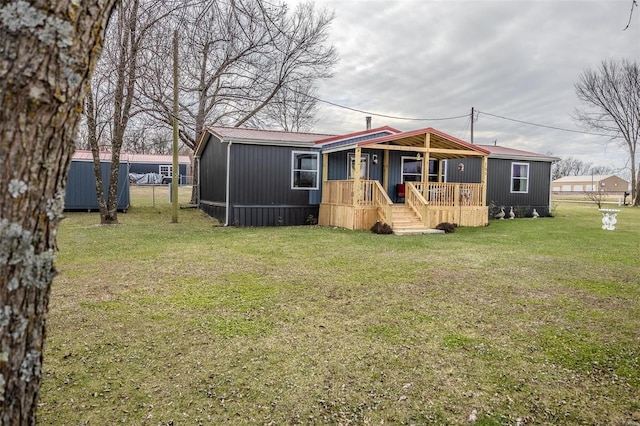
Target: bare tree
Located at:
point(293, 109)
point(47, 51)
point(611, 95)
point(597, 196)
point(114, 90)
point(239, 61)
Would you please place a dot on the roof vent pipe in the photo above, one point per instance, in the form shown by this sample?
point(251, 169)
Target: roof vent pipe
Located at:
point(368, 122)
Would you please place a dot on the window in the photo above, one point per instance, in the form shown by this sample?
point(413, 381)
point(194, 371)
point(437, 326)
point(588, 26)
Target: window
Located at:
point(411, 169)
point(304, 170)
point(166, 170)
point(433, 170)
point(364, 166)
point(520, 177)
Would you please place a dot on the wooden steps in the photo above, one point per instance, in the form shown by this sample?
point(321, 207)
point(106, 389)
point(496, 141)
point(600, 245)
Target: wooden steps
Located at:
point(406, 222)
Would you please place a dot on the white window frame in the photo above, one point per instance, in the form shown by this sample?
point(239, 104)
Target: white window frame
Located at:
point(162, 168)
point(351, 160)
point(294, 170)
point(437, 163)
point(526, 178)
point(403, 174)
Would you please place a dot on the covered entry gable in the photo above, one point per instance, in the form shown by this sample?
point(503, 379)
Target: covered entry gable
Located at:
point(437, 144)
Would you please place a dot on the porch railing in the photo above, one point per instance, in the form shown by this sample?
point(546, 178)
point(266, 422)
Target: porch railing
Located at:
point(371, 194)
point(337, 192)
point(451, 194)
point(433, 193)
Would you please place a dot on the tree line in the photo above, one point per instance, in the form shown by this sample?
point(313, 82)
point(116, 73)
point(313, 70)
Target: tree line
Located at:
point(571, 166)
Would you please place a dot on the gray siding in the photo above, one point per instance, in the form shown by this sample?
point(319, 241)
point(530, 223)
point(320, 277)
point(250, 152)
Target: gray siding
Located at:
point(213, 171)
point(261, 175)
point(499, 184)
point(499, 188)
point(472, 172)
point(260, 192)
point(213, 179)
point(81, 186)
point(274, 215)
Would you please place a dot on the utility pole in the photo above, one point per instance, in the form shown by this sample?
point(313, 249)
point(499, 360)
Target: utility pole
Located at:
point(174, 173)
point(472, 113)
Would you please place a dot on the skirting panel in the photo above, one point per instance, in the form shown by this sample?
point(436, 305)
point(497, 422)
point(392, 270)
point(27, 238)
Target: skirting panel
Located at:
point(215, 211)
point(273, 215)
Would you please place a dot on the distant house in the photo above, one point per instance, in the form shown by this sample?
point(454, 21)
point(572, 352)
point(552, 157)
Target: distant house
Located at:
point(411, 180)
point(515, 178)
point(579, 184)
point(159, 164)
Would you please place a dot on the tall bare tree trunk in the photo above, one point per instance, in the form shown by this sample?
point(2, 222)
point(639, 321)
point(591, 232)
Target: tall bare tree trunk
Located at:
point(47, 52)
point(92, 133)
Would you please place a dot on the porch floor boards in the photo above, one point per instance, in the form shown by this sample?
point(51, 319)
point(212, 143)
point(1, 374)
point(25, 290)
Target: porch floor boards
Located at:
point(406, 222)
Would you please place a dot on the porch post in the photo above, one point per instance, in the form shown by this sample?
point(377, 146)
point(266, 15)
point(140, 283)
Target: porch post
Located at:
point(356, 177)
point(325, 176)
point(485, 160)
point(425, 163)
point(385, 171)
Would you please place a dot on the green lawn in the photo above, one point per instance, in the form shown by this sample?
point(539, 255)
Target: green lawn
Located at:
point(153, 323)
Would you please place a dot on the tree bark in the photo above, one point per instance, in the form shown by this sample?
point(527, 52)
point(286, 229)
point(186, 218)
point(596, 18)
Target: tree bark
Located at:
point(47, 51)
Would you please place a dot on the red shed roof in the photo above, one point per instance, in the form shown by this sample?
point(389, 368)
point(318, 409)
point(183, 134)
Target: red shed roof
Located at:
point(83, 155)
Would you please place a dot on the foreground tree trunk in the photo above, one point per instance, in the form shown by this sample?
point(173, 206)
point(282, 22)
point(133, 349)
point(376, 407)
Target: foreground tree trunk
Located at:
point(47, 51)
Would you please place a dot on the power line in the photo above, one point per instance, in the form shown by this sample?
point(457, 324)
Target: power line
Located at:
point(384, 115)
point(543, 125)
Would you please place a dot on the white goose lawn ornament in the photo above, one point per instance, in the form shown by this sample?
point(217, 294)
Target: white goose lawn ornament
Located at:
point(535, 214)
point(512, 215)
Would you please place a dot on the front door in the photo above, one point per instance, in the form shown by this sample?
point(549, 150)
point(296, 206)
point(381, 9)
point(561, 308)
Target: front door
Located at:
point(364, 166)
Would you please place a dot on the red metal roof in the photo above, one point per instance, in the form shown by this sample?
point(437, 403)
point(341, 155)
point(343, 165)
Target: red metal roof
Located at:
point(356, 134)
point(82, 155)
point(501, 151)
point(239, 133)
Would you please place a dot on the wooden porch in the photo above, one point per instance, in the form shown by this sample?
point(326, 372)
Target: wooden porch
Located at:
point(357, 203)
point(431, 203)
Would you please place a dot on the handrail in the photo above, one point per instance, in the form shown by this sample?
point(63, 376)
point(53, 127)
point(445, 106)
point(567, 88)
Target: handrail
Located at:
point(416, 201)
point(383, 203)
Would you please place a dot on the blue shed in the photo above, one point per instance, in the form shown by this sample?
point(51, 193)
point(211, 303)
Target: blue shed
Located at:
point(81, 182)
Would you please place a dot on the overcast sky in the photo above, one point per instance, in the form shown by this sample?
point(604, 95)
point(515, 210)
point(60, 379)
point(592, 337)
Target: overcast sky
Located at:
point(435, 59)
